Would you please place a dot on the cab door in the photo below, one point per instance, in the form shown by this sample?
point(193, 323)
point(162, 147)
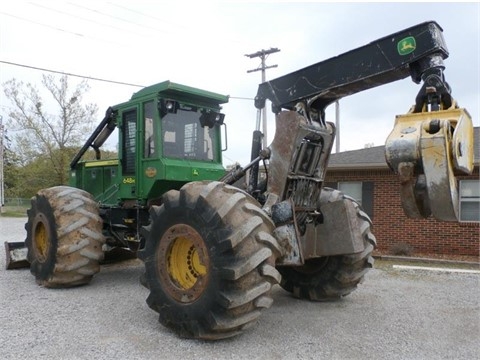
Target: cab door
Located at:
point(128, 153)
point(148, 151)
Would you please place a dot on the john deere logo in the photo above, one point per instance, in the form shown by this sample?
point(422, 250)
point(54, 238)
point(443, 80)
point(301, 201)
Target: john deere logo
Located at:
point(406, 46)
point(195, 172)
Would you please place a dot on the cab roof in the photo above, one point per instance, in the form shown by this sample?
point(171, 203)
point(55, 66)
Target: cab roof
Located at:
point(174, 91)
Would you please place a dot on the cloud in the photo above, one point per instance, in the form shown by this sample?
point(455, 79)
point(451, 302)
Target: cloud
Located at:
point(203, 44)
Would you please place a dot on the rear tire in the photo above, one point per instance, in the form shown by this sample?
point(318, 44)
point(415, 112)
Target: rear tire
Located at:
point(332, 277)
point(64, 237)
point(209, 260)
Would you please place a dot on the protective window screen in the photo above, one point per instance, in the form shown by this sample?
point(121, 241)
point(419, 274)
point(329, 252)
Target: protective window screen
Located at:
point(352, 189)
point(149, 149)
point(470, 200)
point(129, 132)
point(191, 136)
point(184, 138)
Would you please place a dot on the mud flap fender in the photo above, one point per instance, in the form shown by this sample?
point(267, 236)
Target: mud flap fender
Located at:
point(339, 234)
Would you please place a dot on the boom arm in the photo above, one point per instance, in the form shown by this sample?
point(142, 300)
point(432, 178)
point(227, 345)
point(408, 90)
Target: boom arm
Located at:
point(427, 146)
point(415, 51)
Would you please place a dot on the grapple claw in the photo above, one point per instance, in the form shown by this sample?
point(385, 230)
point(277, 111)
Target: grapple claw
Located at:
point(434, 147)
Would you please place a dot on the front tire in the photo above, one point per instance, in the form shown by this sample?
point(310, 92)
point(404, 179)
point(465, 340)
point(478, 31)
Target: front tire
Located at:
point(209, 260)
point(64, 237)
point(332, 277)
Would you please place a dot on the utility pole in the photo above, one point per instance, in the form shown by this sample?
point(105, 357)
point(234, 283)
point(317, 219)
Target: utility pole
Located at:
point(337, 126)
point(262, 54)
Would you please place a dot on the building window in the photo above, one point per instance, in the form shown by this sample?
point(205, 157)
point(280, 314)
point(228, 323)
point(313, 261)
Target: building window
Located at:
point(361, 191)
point(470, 200)
point(352, 189)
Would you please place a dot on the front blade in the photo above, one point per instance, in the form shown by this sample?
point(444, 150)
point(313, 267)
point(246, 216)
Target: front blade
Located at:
point(16, 253)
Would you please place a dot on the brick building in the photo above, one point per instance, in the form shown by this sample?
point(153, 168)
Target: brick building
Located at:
point(364, 175)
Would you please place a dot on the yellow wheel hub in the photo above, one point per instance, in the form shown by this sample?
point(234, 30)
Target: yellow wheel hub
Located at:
point(40, 239)
point(183, 263)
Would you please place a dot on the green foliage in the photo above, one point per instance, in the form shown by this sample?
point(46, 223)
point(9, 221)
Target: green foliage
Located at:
point(23, 181)
point(105, 155)
point(11, 170)
point(45, 133)
point(36, 174)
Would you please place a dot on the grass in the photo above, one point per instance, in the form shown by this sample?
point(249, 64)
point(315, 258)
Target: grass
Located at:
point(13, 211)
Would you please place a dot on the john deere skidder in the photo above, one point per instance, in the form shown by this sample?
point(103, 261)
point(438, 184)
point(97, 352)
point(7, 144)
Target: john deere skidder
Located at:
point(213, 251)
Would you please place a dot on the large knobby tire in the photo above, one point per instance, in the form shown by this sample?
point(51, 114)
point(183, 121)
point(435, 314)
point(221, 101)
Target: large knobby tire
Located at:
point(64, 237)
point(332, 277)
point(209, 260)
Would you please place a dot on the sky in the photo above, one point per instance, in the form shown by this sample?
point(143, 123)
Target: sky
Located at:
point(203, 44)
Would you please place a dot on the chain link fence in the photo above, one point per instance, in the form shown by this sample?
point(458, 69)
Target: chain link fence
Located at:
point(15, 207)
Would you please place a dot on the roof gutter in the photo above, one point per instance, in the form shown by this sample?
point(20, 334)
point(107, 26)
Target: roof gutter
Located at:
point(358, 166)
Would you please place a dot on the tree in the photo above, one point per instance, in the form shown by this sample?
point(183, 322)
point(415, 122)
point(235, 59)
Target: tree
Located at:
point(41, 137)
point(11, 171)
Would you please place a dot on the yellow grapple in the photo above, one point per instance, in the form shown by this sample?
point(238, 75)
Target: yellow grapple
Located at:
point(428, 150)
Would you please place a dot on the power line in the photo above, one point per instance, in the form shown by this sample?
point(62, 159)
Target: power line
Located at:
point(77, 34)
point(240, 98)
point(95, 78)
point(119, 18)
point(148, 15)
point(41, 24)
point(70, 74)
point(80, 17)
point(225, 37)
point(82, 35)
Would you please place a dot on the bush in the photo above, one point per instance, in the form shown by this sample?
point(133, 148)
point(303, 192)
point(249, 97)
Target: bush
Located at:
point(401, 249)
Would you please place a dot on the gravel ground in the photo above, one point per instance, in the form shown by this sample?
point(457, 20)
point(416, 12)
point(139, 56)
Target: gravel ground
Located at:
point(395, 314)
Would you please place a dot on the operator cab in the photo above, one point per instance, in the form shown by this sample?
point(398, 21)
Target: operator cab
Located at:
point(169, 134)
